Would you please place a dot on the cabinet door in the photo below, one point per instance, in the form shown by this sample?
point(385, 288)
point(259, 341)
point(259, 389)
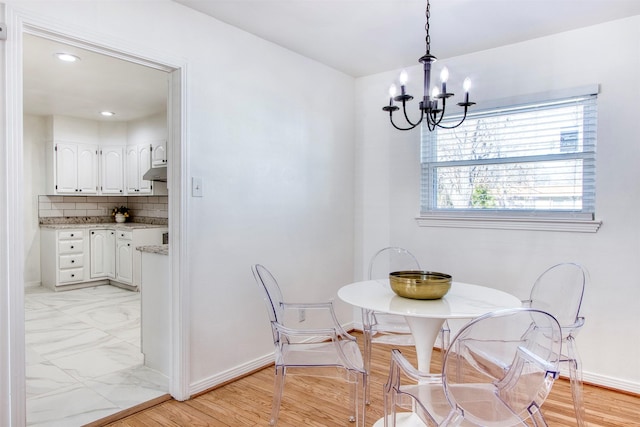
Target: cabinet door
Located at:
point(159, 153)
point(102, 254)
point(132, 169)
point(144, 163)
point(66, 158)
point(87, 169)
point(124, 261)
point(112, 170)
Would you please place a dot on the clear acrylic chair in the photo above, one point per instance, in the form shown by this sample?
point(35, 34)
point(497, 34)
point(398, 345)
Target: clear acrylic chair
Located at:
point(380, 327)
point(497, 372)
point(559, 291)
point(328, 351)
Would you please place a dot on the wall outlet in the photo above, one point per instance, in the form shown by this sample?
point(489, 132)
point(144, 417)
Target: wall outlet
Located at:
point(302, 315)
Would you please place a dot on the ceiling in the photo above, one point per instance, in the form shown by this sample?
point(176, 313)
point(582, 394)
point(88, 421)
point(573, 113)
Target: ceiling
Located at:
point(95, 83)
point(357, 37)
point(363, 37)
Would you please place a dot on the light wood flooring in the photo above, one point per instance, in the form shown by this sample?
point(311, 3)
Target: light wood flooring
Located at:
point(311, 401)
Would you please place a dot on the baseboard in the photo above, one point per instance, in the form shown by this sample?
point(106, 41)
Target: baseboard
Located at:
point(34, 284)
point(612, 383)
point(231, 374)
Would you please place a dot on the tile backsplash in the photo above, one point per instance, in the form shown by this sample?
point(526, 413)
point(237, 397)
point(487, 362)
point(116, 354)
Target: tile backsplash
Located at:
point(154, 209)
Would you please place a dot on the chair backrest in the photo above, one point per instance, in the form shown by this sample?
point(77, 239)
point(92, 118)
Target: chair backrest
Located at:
point(559, 291)
point(391, 259)
point(272, 294)
point(512, 354)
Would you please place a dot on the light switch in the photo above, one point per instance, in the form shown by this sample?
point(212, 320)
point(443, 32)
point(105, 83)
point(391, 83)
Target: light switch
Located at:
point(196, 187)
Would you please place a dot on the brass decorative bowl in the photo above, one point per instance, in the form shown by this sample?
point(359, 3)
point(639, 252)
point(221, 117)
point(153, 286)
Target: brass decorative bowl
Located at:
point(420, 284)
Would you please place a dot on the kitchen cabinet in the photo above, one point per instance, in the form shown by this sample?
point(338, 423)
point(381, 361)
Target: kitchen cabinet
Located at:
point(94, 254)
point(138, 161)
point(159, 153)
point(112, 170)
point(124, 257)
point(64, 255)
point(102, 252)
point(75, 168)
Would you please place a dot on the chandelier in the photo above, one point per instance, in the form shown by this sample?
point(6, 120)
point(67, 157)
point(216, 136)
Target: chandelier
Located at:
point(429, 108)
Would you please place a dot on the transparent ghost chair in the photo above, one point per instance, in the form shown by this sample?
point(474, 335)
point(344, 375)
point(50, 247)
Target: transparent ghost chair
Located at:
point(328, 351)
point(497, 372)
point(380, 327)
point(559, 291)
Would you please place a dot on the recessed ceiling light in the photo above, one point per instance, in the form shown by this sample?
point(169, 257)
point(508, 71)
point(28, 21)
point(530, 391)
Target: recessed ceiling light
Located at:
point(107, 113)
point(67, 57)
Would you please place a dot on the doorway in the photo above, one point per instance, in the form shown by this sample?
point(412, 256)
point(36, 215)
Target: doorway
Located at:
point(174, 135)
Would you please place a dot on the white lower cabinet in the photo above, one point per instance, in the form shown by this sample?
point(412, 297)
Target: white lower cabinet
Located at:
point(103, 247)
point(85, 257)
point(124, 257)
point(64, 257)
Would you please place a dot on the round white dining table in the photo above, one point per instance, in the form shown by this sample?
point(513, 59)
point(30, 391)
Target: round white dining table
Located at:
point(425, 317)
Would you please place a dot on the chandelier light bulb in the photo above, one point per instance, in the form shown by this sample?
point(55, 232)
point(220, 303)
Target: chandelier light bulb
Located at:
point(403, 77)
point(392, 91)
point(466, 85)
point(444, 75)
point(434, 93)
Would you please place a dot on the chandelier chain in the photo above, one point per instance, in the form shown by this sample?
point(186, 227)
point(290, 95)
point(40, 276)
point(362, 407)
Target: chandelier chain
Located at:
point(426, 27)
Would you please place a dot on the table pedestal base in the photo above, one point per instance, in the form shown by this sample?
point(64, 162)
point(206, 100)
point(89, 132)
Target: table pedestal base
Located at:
point(425, 331)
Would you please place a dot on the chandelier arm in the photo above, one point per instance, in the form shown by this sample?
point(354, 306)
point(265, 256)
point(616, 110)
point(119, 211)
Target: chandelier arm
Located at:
point(411, 125)
point(455, 126)
point(406, 116)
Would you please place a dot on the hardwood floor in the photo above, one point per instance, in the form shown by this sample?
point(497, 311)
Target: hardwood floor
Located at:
point(312, 401)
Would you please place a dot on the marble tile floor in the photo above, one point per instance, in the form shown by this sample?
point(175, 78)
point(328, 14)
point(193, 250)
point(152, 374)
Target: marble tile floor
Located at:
point(83, 359)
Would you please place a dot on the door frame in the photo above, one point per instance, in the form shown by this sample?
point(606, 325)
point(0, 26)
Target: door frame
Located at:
point(12, 367)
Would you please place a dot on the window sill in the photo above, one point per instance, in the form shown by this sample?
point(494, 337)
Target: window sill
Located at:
point(510, 223)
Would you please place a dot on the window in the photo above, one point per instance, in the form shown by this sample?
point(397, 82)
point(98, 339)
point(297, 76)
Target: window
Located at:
point(531, 160)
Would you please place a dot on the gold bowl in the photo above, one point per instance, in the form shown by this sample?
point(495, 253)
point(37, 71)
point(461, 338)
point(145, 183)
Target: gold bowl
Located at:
point(420, 284)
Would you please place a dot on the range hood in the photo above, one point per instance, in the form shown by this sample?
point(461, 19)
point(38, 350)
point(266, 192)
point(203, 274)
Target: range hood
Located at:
point(156, 173)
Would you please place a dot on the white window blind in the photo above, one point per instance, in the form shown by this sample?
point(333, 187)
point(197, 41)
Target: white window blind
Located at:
point(536, 159)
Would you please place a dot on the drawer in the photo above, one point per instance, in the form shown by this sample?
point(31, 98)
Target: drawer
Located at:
point(70, 246)
point(71, 275)
point(71, 234)
point(124, 235)
point(71, 261)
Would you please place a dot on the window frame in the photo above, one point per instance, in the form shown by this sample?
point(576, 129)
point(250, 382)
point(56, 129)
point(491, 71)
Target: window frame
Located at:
point(539, 220)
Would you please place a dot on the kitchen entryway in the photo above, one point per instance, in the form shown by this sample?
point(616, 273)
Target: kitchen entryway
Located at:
point(83, 358)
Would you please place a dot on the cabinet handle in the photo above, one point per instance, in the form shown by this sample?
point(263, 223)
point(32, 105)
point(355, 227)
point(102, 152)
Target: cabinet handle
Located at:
point(93, 232)
point(72, 261)
point(80, 189)
point(128, 244)
point(72, 234)
point(71, 247)
point(73, 275)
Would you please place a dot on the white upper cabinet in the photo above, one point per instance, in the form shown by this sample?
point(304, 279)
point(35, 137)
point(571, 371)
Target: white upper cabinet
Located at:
point(76, 168)
point(159, 153)
point(112, 170)
point(138, 162)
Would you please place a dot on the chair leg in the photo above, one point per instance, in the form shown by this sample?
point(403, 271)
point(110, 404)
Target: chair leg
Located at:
point(575, 375)
point(277, 394)
point(357, 388)
point(366, 332)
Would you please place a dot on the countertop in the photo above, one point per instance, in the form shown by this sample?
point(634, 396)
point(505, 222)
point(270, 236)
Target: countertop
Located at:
point(154, 249)
point(102, 225)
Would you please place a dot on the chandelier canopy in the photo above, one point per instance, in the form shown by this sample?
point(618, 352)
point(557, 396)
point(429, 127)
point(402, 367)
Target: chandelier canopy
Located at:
point(429, 109)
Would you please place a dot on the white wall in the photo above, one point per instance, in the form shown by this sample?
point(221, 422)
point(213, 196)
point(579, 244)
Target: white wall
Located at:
point(389, 178)
point(34, 184)
point(271, 135)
